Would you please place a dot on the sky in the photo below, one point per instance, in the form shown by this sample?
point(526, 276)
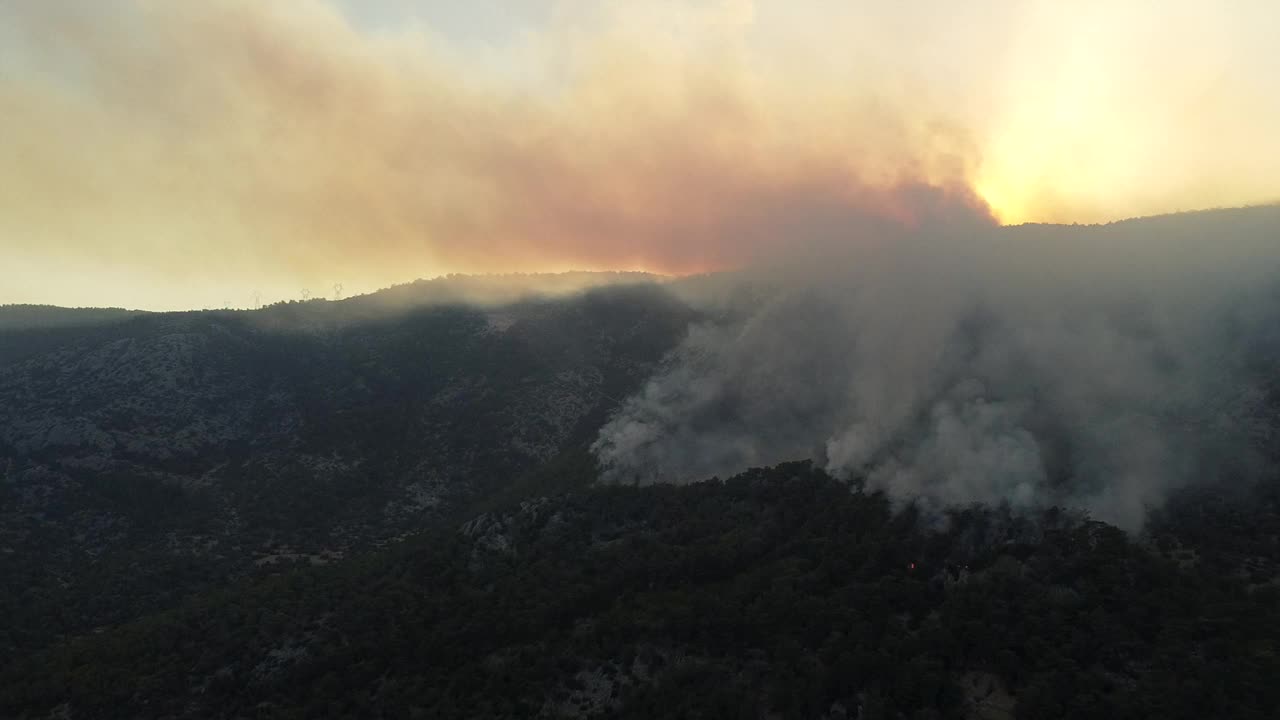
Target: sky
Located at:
point(170, 155)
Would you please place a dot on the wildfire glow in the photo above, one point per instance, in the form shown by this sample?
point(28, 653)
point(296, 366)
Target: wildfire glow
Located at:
point(163, 154)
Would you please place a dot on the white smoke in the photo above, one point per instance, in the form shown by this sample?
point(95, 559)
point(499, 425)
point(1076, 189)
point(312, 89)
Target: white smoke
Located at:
point(1097, 366)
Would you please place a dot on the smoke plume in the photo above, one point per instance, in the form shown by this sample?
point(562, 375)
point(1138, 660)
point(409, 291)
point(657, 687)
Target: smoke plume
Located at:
point(167, 154)
point(955, 362)
point(278, 146)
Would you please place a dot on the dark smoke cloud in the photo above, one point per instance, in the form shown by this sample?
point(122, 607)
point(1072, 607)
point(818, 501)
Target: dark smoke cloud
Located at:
point(955, 362)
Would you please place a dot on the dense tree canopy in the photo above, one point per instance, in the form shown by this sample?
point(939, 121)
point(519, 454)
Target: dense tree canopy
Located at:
point(779, 591)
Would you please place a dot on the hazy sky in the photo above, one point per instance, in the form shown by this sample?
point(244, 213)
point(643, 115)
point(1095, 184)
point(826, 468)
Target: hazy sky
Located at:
point(169, 154)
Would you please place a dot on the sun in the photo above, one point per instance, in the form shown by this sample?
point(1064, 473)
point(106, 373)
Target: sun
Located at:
point(997, 199)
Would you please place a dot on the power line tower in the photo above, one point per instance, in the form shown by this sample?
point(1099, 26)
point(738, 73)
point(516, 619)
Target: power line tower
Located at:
point(257, 300)
point(306, 294)
point(337, 291)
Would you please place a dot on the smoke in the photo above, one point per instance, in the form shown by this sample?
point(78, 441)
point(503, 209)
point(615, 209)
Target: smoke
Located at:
point(957, 362)
point(265, 146)
point(177, 154)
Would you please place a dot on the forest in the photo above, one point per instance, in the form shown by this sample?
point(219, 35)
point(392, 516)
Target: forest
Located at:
point(780, 592)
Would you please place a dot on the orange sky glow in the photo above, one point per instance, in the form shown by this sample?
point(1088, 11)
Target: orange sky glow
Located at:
point(177, 155)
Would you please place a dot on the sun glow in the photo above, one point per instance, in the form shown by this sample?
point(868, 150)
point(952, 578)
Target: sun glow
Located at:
point(229, 145)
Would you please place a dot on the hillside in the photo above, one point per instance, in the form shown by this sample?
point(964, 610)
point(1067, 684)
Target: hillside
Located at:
point(480, 497)
point(146, 458)
point(779, 593)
